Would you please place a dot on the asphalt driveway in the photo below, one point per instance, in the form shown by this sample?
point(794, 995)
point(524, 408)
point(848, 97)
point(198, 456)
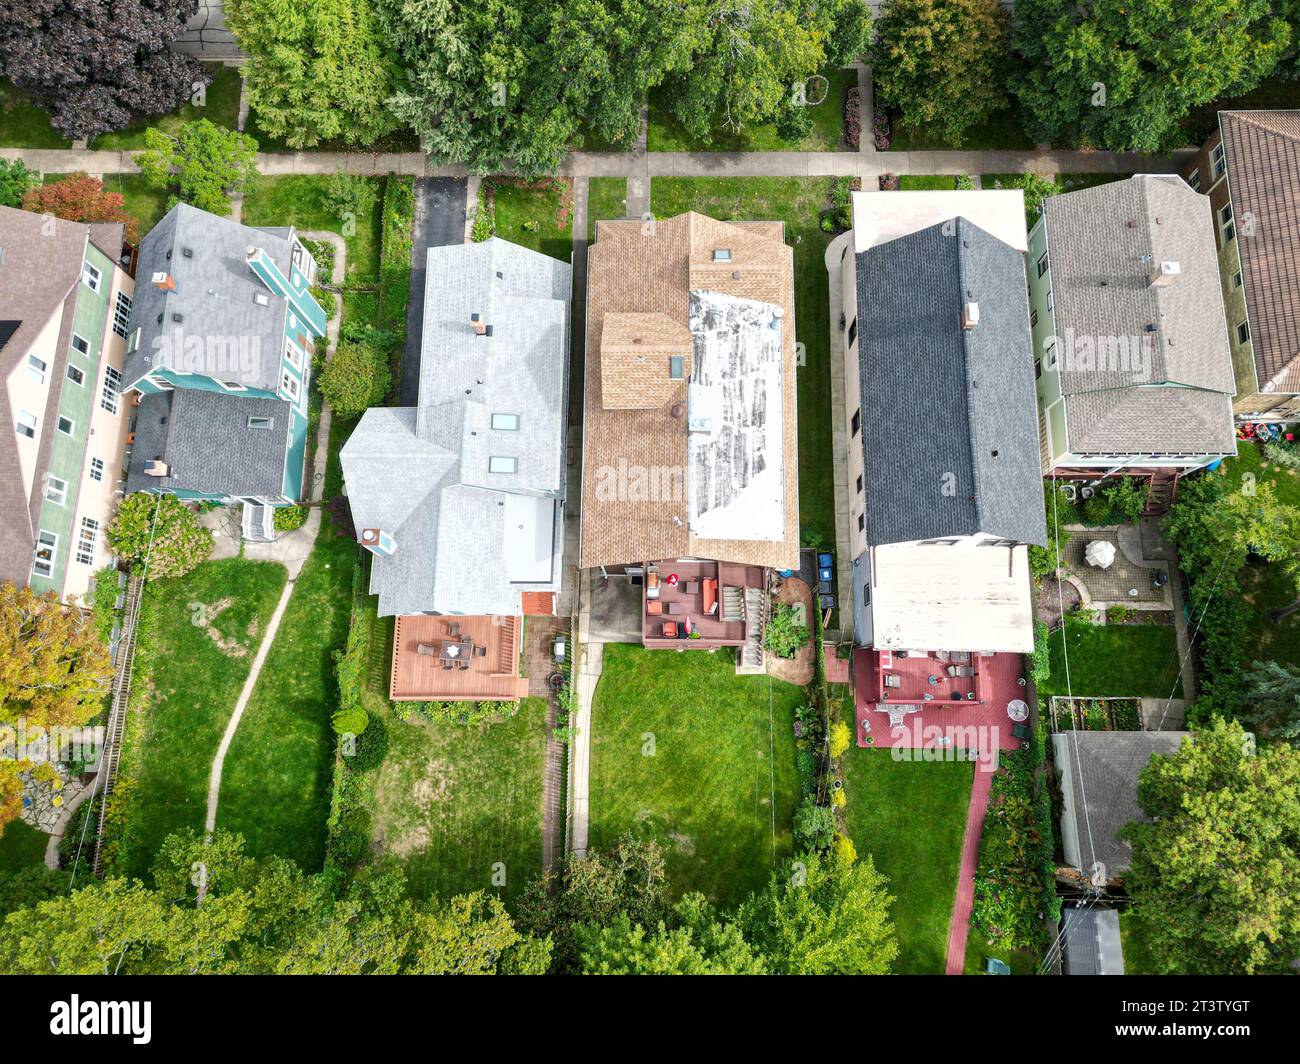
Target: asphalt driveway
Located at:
point(439, 220)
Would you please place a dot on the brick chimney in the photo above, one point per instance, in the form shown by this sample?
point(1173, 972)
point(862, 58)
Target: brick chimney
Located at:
point(1164, 274)
point(480, 326)
point(970, 315)
point(164, 281)
point(378, 542)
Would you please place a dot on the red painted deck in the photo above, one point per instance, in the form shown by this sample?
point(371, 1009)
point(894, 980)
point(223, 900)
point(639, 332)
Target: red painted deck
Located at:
point(946, 721)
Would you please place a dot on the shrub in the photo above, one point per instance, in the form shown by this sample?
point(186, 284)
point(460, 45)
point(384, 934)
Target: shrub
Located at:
point(881, 131)
point(814, 826)
point(79, 198)
point(785, 636)
point(841, 738)
point(162, 528)
point(349, 197)
point(288, 518)
point(351, 720)
point(1283, 455)
point(468, 713)
point(845, 852)
point(354, 379)
point(853, 118)
point(1118, 503)
point(964, 183)
point(15, 181)
point(793, 122)
point(1118, 614)
point(1040, 660)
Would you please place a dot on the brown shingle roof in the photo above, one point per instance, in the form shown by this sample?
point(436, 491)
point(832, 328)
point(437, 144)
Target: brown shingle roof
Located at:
point(1262, 149)
point(649, 271)
point(635, 350)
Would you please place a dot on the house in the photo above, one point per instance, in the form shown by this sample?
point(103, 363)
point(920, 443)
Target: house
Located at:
point(1250, 170)
point(460, 499)
point(65, 300)
point(945, 493)
point(1099, 773)
point(222, 334)
point(1090, 941)
point(690, 456)
point(1130, 342)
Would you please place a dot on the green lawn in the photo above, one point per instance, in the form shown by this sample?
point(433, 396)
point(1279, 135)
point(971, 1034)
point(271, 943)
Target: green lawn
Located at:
point(537, 216)
point(298, 200)
point(220, 105)
point(23, 124)
point(21, 845)
point(275, 788)
point(1138, 660)
point(927, 182)
point(184, 690)
point(686, 752)
point(667, 134)
point(606, 199)
point(797, 201)
point(910, 816)
point(142, 202)
point(1003, 131)
point(1021, 962)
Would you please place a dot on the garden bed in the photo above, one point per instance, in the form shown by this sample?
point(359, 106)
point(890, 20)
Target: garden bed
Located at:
point(1096, 714)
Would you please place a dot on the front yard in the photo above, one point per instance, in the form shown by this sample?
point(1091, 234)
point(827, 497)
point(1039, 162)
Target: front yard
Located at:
point(910, 817)
point(686, 752)
point(537, 216)
point(798, 202)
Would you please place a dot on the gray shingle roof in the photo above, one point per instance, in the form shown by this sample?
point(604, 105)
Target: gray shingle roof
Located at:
point(949, 415)
point(1099, 776)
point(1171, 391)
point(421, 474)
point(205, 439)
point(224, 332)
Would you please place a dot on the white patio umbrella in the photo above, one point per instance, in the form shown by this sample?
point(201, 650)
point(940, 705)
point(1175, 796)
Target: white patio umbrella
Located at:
point(1100, 552)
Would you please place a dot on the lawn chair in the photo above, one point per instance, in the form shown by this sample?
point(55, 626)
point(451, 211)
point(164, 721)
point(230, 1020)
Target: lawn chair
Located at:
point(961, 670)
point(1020, 731)
point(461, 666)
point(427, 650)
point(480, 651)
point(453, 629)
point(893, 680)
point(447, 666)
point(670, 629)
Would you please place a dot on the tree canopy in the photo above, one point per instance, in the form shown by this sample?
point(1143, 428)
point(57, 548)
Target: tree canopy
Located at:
point(203, 165)
point(94, 66)
point(1213, 875)
point(80, 198)
point(1122, 74)
point(162, 529)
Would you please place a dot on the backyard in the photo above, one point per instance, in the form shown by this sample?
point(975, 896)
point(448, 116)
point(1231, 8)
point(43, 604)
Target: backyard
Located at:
point(1138, 660)
point(798, 202)
point(910, 817)
point(21, 846)
point(686, 752)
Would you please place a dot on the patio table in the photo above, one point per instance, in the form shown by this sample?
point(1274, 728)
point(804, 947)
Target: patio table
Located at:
point(1018, 710)
point(456, 649)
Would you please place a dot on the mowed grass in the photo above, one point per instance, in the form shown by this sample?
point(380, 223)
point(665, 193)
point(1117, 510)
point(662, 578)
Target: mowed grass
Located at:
point(275, 789)
point(537, 216)
point(978, 951)
point(460, 808)
point(606, 200)
point(910, 817)
point(686, 752)
point(798, 202)
point(666, 133)
point(299, 200)
point(220, 105)
point(927, 182)
point(23, 124)
point(1134, 660)
point(184, 690)
point(21, 846)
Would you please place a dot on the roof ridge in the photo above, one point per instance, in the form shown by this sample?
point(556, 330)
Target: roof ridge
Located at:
point(1249, 118)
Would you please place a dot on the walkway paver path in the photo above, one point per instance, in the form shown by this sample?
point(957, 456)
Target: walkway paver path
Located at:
point(964, 901)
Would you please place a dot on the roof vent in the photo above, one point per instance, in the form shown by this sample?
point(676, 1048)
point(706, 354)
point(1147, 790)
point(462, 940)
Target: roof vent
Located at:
point(722, 254)
point(187, 253)
point(480, 326)
point(164, 281)
point(677, 410)
point(155, 468)
point(970, 315)
point(261, 299)
point(1132, 223)
point(735, 275)
point(1164, 274)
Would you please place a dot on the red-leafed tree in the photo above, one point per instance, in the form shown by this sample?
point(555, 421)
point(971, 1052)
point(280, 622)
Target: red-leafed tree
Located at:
point(80, 198)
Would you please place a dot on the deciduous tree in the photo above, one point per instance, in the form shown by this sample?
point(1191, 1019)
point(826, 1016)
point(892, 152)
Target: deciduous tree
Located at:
point(204, 165)
point(80, 198)
point(161, 529)
point(15, 180)
point(695, 941)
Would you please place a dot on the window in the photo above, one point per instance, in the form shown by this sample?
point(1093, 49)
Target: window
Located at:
point(256, 421)
point(134, 342)
point(1042, 264)
point(1195, 180)
point(866, 594)
point(86, 539)
point(37, 367)
point(26, 424)
point(294, 356)
point(90, 276)
point(75, 375)
point(66, 425)
point(502, 464)
point(1051, 303)
point(121, 314)
point(853, 331)
point(862, 522)
point(505, 422)
point(1243, 332)
point(1218, 162)
point(289, 384)
point(47, 550)
point(859, 483)
point(676, 368)
point(231, 386)
point(97, 469)
point(856, 423)
point(110, 398)
point(1237, 279)
point(1033, 319)
point(1038, 368)
point(1049, 356)
point(80, 345)
point(56, 490)
point(1226, 225)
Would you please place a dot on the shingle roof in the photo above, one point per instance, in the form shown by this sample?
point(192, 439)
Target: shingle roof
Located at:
point(641, 269)
point(1144, 368)
point(223, 332)
point(949, 416)
point(1262, 150)
point(40, 268)
point(1099, 777)
point(208, 444)
point(1091, 943)
point(421, 473)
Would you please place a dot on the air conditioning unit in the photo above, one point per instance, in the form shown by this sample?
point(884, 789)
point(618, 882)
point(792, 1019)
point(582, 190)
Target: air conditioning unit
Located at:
point(155, 468)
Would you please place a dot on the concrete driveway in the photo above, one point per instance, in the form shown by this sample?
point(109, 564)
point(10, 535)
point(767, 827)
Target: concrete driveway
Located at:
point(615, 611)
point(439, 220)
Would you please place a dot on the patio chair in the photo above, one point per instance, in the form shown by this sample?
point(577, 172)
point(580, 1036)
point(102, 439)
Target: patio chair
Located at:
point(670, 629)
point(453, 629)
point(692, 587)
point(654, 608)
point(893, 680)
point(446, 666)
point(961, 670)
point(427, 650)
point(480, 651)
point(462, 665)
point(896, 715)
point(1020, 731)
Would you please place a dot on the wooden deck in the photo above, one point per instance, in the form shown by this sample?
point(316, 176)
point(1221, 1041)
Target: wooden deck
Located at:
point(491, 678)
point(713, 631)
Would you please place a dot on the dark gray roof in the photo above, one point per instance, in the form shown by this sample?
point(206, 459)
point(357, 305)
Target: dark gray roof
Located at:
point(215, 290)
point(205, 439)
point(1091, 943)
point(949, 415)
point(1099, 776)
